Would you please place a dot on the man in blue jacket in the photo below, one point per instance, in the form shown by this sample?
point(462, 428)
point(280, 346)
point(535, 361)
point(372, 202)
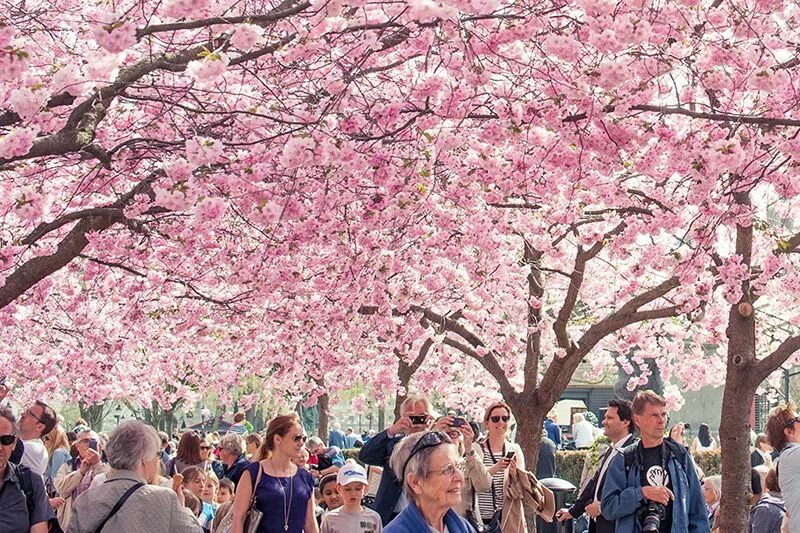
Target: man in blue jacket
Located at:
point(653, 485)
point(414, 417)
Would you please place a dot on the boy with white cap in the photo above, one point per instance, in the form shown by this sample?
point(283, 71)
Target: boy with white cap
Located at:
point(351, 517)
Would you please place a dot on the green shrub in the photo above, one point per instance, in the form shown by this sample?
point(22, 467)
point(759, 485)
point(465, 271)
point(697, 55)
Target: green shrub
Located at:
point(351, 453)
point(709, 462)
point(569, 465)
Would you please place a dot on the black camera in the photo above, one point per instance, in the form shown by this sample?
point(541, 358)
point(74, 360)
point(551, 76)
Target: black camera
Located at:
point(651, 514)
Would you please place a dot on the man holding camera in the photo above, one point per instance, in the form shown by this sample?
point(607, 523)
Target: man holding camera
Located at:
point(652, 486)
point(414, 417)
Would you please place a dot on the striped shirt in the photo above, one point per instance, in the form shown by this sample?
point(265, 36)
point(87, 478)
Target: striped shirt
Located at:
point(485, 501)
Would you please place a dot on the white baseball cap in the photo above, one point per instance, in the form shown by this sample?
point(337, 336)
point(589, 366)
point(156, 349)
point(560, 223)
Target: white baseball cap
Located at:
point(350, 473)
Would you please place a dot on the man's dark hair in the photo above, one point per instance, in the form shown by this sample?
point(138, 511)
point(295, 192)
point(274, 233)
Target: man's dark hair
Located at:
point(624, 411)
point(48, 418)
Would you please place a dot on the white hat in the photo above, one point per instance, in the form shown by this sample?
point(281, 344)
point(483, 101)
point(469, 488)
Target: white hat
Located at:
point(351, 473)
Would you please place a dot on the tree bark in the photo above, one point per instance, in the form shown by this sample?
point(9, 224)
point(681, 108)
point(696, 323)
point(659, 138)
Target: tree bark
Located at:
point(323, 403)
point(741, 382)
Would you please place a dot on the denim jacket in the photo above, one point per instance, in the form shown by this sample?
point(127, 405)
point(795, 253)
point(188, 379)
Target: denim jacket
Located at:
point(622, 496)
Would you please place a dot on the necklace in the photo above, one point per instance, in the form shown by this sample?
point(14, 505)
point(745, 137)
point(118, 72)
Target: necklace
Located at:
point(287, 506)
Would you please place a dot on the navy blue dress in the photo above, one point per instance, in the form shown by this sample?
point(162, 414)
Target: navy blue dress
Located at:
point(273, 495)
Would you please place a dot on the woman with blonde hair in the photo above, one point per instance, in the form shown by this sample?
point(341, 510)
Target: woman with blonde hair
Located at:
point(57, 445)
point(284, 493)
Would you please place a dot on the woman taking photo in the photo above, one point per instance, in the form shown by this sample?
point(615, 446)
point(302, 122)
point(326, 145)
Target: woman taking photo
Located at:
point(429, 467)
point(284, 493)
point(498, 454)
point(476, 477)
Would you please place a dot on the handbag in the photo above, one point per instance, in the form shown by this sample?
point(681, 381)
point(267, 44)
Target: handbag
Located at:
point(253, 517)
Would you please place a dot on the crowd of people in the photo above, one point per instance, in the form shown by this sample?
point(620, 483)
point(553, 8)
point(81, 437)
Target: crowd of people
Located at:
point(423, 473)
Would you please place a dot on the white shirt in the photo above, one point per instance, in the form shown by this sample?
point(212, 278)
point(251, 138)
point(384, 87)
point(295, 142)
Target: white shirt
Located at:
point(583, 434)
point(35, 456)
point(617, 448)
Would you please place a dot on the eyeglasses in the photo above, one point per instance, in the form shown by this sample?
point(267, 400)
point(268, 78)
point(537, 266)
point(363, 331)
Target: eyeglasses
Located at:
point(792, 422)
point(300, 438)
point(205, 447)
point(30, 413)
point(450, 470)
point(7, 440)
point(496, 419)
point(428, 440)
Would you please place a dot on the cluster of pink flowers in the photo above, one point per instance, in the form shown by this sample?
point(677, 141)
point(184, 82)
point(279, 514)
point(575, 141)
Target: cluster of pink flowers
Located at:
point(18, 142)
point(114, 35)
point(209, 69)
point(26, 102)
point(204, 151)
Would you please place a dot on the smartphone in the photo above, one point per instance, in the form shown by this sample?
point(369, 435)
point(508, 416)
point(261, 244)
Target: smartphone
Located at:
point(459, 421)
point(510, 455)
point(93, 444)
point(418, 420)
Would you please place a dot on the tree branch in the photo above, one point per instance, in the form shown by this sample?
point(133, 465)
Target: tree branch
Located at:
point(778, 357)
point(718, 117)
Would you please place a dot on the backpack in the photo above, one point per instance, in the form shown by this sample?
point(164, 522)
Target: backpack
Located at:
point(23, 473)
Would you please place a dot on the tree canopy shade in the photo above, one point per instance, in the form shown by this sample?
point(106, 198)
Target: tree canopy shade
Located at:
point(301, 190)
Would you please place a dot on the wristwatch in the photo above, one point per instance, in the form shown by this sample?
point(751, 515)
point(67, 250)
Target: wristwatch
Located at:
point(469, 454)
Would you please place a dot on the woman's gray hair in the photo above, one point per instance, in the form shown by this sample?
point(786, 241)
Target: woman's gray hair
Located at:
point(419, 464)
point(231, 443)
point(131, 442)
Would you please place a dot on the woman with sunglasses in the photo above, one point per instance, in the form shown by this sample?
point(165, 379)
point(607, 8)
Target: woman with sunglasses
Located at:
point(76, 476)
point(284, 493)
point(498, 454)
point(429, 466)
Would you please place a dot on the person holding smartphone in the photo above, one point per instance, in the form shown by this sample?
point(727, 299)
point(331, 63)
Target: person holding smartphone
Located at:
point(76, 476)
point(415, 416)
point(498, 454)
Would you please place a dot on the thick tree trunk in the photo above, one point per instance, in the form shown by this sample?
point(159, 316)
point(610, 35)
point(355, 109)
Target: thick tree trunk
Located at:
point(530, 423)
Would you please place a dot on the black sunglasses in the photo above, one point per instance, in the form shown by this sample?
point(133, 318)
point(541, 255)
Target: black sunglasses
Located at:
point(496, 419)
point(792, 422)
point(428, 440)
point(7, 440)
point(300, 438)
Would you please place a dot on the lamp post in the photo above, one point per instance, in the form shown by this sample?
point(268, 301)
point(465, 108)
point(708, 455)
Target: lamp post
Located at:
point(118, 413)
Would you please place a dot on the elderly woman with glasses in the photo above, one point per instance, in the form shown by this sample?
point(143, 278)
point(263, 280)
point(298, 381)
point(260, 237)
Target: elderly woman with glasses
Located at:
point(429, 466)
point(133, 452)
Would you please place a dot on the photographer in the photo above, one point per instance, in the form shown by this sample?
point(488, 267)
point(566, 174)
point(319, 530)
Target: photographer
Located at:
point(652, 486)
point(414, 417)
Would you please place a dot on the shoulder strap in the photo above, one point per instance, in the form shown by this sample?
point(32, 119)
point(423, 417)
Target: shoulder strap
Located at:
point(23, 474)
point(255, 485)
point(629, 453)
point(118, 505)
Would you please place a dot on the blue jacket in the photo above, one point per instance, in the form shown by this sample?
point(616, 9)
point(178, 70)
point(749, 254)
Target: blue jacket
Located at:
point(622, 496)
point(377, 452)
point(553, 432)
point(233, 472)
point(411, 521)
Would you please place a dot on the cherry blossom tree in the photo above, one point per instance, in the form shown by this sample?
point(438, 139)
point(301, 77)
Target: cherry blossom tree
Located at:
point(210, 188)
